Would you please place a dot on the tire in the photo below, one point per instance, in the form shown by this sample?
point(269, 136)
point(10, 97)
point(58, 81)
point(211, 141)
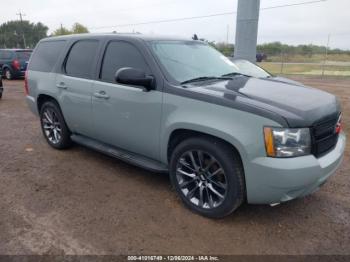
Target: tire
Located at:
point(53, 126)
point(228, 183)
point(7, 73)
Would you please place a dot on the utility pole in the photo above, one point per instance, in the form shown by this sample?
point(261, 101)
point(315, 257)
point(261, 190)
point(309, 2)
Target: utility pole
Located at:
point(247, 29)
point(21, 19)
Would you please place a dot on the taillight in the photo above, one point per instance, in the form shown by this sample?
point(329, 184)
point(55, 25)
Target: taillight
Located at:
point(338, 127)
point(16, 64)
point(26, 88)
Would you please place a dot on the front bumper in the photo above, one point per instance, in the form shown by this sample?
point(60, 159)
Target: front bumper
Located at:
point(276, 180)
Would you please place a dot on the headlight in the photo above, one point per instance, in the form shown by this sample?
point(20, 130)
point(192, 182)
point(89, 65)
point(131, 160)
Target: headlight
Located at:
point(287, 142)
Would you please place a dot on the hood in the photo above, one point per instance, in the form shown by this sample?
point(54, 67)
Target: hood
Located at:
point(285, 80)
point(298, 105)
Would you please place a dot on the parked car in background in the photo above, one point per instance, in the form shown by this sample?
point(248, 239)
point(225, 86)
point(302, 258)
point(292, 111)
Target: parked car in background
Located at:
point(13, 62)
point(261, 57)
point(1, 87)
point(226, 133)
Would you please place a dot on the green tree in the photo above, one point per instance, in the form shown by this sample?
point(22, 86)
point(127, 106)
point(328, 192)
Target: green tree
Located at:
point(13, 34)
point(61, 31)
point(79, 29)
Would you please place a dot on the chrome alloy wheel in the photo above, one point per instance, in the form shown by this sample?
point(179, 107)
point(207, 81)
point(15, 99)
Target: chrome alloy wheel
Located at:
point(51, 126)
point(201, 179)
point(8, 74)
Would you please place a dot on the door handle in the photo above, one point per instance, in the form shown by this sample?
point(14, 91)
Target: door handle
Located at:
point(61, 85)
point(101, 94)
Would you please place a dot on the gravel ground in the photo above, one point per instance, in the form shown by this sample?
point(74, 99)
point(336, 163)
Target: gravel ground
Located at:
point(82, 202)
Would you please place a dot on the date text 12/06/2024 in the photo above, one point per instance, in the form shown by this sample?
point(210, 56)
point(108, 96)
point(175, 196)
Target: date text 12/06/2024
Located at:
point(173, 258)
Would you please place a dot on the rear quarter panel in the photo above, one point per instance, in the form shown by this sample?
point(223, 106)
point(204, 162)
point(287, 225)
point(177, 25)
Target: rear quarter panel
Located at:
point(40, 83)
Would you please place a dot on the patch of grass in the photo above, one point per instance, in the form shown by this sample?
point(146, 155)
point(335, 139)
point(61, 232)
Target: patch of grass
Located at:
point(305, 69)
point(316, 58)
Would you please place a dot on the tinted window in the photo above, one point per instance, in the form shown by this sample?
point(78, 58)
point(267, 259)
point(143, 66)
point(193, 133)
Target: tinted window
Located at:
point(23, 55)
point(80, 59)
point(5, 55)
point(46, 55)
point(121, 54)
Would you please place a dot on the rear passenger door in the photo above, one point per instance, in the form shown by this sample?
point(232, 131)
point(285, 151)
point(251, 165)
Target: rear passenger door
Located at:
point(127, 117)
point(75, 86)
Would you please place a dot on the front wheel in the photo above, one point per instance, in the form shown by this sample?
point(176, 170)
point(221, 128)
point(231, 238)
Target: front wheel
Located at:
point(8, 74)
point(53, 126)
point(208, 176)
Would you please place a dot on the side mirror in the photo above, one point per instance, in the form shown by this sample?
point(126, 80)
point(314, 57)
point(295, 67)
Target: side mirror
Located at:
point(136, 77)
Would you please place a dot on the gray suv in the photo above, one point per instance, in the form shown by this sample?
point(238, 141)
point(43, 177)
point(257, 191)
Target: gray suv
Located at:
point(225, 131)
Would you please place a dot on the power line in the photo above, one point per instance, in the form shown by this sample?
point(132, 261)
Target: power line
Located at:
point(204, 16)
point(294, 4)
point(146, 6)
point(167, 20)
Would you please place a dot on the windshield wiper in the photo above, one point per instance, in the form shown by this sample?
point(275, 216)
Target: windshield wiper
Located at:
point(235, 74)
point(204, 78)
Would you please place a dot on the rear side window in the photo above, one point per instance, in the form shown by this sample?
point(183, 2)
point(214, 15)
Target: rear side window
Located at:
point(80, 59)
point(118, 55)
point(46, 55)
point(23, 55)
point(5, 55)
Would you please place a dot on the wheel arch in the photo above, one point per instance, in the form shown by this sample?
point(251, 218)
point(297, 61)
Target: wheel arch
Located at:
point(42, 98)
point(4, 67)
point(180, 134)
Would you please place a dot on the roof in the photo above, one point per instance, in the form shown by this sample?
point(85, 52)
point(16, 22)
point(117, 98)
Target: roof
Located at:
point(120, 35)
point(16, 49)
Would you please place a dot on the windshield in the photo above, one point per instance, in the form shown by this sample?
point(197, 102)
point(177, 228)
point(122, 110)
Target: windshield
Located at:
point(185, 60)
point(23, 55)
point(247, 68)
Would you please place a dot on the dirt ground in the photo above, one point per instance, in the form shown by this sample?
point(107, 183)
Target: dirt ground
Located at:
point(82, 202)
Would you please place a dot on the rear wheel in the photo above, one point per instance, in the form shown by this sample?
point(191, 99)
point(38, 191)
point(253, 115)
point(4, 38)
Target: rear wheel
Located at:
point(53, 126)
point(8, 74)
point(208, 176)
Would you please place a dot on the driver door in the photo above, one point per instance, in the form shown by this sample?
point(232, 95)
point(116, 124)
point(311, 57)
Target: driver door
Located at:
point(126, 116)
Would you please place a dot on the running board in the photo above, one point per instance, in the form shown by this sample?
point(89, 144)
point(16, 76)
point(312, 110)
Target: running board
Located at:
point(121, 154)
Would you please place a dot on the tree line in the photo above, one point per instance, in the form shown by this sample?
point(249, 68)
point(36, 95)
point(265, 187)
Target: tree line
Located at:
point(24, 34)
point(278, 48)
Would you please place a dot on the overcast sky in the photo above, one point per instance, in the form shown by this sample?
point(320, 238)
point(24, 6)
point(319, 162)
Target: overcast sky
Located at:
point(295, 25)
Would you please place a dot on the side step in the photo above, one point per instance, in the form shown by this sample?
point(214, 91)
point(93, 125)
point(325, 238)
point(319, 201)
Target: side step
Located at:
point(121, 154)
